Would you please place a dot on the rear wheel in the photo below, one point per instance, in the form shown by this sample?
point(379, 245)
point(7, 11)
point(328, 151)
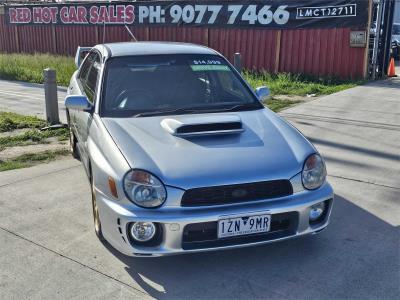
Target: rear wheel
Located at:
point(96, 215)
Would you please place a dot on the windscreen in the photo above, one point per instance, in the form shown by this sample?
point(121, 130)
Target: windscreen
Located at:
point(171, 84)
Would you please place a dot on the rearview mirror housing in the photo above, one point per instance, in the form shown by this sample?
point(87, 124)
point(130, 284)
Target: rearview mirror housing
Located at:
point(78, 102)
point(263, 93)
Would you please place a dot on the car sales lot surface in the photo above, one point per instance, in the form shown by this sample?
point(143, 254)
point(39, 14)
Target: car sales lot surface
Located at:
point(48, 248)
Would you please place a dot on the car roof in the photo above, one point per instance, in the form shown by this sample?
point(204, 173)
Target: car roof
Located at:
point(154, 48)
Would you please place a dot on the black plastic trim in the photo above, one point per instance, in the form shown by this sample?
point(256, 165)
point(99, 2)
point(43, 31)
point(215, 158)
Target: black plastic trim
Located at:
point(246, 192)
point(209, 127)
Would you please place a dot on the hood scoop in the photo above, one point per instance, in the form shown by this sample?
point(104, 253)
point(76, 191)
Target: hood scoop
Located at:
point(203, 125)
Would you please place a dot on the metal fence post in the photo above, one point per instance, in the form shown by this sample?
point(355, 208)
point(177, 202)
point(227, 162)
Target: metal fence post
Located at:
point(376, 39)
point(50, 93)
point(237, 62)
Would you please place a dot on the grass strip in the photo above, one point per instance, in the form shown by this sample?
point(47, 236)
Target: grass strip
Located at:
point(31, 159)
point(32, 137)
point(11, 121)
point(29, 67)
point(290, 84)
point(277, 105)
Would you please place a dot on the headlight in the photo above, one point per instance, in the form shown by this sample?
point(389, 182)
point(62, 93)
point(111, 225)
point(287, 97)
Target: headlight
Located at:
point(314, 172)
point(144, 189)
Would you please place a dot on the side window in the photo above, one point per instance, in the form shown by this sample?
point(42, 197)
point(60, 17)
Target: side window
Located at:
point(89, 75)
point(90, 86)
point(84, 69)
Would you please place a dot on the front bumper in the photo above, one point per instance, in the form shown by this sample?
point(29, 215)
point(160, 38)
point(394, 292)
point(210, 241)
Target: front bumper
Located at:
point(290, 218)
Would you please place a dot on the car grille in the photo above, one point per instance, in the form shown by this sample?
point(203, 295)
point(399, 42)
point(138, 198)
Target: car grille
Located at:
point(225, 194)
point(205, 235)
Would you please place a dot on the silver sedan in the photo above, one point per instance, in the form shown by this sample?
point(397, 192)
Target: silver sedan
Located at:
point(182, 156)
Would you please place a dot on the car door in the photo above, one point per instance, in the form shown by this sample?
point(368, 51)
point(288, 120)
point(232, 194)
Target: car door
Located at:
point(88, 84)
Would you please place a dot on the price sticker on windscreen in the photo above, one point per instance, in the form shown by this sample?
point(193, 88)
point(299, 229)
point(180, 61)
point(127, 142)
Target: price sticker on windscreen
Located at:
point(208, 65)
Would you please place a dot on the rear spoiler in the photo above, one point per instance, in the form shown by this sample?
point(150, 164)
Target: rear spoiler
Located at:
point(80, 55)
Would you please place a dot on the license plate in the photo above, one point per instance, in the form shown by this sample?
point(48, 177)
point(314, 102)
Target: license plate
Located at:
point(243, 225)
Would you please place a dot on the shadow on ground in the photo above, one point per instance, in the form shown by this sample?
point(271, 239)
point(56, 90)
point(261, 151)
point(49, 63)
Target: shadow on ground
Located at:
point(356, 257)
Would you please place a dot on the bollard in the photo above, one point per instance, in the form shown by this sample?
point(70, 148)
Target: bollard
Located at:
point(237, 62)
point(50, 94)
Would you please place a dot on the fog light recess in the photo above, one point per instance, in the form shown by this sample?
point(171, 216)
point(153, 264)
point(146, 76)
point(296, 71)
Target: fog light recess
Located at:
point(317, 212)
point(142, 231)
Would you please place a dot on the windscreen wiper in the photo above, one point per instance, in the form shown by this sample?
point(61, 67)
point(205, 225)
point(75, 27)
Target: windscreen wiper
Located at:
point(236, 107)
point(194, 110)
point(162, 112)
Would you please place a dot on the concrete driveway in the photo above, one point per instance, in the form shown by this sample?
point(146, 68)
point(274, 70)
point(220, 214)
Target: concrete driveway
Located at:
point(48, 248)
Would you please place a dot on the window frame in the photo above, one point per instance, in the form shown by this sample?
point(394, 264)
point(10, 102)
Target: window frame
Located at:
point(82, 82)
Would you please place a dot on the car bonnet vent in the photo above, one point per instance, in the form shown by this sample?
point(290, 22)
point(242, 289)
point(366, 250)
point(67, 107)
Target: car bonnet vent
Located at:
point(203, 125)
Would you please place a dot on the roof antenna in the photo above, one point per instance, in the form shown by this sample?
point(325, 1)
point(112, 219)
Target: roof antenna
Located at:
point(104, 24)
point(130, 33)
point(104, 30)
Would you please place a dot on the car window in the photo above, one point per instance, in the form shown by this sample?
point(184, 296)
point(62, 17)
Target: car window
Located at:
point(137, 84)
point(89, 75)
point(85, 69)
point(90, 86)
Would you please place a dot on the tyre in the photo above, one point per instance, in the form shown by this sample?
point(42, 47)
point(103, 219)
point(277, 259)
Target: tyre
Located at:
point(73, 147)
point(96, 215)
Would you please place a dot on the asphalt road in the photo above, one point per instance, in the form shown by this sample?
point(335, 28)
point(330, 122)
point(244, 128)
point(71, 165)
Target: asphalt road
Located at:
point(28, 98)
point(48, 248)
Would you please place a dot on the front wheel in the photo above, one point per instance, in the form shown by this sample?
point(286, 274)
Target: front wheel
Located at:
point(96, 215)
point(73, 147)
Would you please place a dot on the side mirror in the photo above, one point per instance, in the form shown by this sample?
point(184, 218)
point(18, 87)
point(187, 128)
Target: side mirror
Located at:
point(263, 93)
point(78, 102)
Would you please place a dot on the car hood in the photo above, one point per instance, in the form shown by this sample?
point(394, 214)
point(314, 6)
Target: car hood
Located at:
point(267, 149)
